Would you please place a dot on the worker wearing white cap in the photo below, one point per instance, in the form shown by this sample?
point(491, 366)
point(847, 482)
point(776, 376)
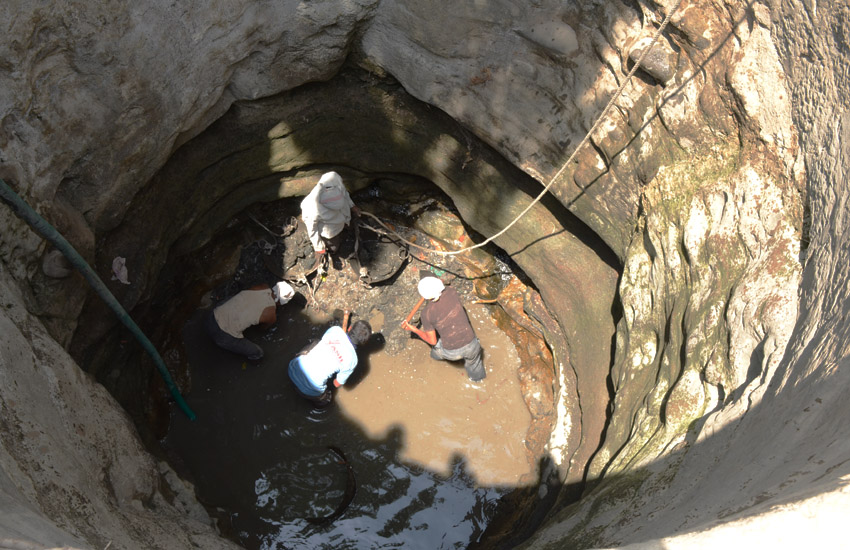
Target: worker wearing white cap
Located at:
point(326, 210)
point(446, 328)
point(255, 306)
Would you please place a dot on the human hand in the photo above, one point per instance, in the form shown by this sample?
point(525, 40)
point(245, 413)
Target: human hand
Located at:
point(406, 326)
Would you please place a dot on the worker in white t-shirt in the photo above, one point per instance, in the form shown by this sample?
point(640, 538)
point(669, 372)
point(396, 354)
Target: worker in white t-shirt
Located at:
point(328, 362)
point(255, 306)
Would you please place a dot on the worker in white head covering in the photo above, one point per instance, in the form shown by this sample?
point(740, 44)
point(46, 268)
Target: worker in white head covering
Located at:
point(446, 328)
point(326, 210)
point(254, 306)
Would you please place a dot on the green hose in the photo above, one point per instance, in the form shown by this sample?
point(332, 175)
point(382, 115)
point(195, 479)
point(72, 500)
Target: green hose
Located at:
point(43, 228)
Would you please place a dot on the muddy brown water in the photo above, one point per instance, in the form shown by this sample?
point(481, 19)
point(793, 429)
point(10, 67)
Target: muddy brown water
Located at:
point(432, 452)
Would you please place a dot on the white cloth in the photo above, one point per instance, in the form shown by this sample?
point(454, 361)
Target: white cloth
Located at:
point(119, 270)
point(283, 292)
point(326, 210)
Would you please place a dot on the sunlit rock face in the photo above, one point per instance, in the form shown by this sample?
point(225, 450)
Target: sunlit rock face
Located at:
point(767, 459)
point(677, 394)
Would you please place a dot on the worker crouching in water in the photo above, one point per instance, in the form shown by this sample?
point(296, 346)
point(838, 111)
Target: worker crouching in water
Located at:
point(326, 211)
point(446, 327)
point(255, 306)
point(334, 357)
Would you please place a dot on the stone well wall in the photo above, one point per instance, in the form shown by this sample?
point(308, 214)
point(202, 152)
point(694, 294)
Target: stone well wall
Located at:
point(697, 183)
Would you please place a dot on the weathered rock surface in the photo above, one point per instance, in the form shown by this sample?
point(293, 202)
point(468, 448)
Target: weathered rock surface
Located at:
point(769, 466)
point(209, 180)
point(74, 472)
point(717, 427)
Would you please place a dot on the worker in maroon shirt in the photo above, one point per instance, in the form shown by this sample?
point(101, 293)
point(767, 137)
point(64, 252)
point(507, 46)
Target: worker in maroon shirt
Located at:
point(446, 328)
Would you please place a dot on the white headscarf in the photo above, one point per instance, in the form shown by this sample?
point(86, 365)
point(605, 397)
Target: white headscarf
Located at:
point(331, 191)
point(326, 209)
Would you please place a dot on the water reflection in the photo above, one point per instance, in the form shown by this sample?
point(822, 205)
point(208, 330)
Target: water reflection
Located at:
point(400, 508)
point(260, 454)
point(443, 414)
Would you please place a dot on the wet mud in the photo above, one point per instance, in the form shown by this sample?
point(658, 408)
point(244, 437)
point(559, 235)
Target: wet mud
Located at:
point(442, 414)
point(432, 452)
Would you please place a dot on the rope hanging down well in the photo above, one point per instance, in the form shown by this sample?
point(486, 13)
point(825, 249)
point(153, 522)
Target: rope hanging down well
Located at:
point(545, 190)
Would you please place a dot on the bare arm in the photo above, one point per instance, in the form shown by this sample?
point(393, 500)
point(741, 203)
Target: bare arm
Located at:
point(268, 316)
point(429, 337)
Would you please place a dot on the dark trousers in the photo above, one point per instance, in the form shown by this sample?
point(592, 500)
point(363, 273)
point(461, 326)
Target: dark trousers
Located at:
point(332, 244)
point(241, 346)
point(470, 353)
point(318, 401)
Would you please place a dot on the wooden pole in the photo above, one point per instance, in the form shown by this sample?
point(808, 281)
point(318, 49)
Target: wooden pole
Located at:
point(414, 310)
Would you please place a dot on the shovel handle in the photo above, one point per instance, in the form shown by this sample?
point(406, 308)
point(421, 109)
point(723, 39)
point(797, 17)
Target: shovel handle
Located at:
point(414, 310)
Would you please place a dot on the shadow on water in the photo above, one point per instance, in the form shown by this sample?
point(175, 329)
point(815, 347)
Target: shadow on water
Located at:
point(364, 364)
point(259, 456)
